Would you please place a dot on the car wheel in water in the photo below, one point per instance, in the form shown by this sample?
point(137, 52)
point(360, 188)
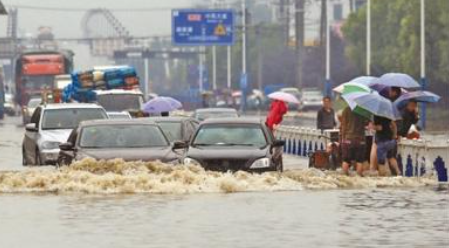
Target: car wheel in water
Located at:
point(62, 162)
point(38, 158)
point(280, 167)
point(24, 158)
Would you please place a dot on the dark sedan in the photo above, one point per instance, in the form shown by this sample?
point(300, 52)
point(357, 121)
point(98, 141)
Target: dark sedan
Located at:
point(232, 144)
point(177, 128)
point(207, 113)
point(130, 140)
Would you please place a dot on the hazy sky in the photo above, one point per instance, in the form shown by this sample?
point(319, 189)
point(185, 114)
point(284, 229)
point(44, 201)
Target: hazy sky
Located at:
point(68, 24)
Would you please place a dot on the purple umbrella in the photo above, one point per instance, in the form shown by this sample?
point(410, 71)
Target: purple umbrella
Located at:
point(418, 96)
point(161, 104)
point(400, 80)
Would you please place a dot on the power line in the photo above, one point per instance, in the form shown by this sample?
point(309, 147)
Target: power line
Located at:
point(60, 9)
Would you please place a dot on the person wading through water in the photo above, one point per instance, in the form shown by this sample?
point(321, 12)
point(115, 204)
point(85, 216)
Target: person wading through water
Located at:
point(277, 111)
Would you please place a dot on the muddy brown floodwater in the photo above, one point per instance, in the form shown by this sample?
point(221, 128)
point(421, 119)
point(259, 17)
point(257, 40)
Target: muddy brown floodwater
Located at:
point(117, 204)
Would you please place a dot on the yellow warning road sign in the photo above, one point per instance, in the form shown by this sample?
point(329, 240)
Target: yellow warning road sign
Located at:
point(220, 30)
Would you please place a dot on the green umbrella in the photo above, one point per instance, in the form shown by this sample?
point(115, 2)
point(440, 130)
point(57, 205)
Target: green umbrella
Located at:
point(358, 110)
point(355, 88)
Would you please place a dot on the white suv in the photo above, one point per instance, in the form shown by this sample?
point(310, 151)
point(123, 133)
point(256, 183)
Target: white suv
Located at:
point(51, 125)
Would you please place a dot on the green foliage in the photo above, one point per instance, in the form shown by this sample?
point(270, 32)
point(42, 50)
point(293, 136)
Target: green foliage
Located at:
point(265, 42)
point(396, 38)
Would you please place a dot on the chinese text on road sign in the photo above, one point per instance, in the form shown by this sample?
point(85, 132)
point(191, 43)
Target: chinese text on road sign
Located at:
point(202, 27)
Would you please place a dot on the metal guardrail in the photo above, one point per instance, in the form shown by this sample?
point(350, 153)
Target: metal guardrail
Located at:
point(416, 158)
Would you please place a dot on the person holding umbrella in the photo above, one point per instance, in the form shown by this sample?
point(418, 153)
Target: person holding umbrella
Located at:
point(408, 104)
point(386, 144)
point(410, 117)
point(161, 105)
point(277, 111)
point(278, 108)
point(385, 113)
point(353, 140)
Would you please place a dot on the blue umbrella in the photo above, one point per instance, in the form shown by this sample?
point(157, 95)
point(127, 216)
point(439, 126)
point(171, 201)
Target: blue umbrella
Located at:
point(400, 80)
point(161, 104)
point(373, 103)
point(418, 96)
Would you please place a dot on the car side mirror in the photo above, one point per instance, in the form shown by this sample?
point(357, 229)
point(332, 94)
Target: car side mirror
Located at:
point(31, 127)
point(66, 146)
point(278, 143)
point(179, 145)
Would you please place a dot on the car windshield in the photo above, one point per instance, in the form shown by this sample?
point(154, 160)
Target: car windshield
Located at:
point(33, 103)
point(122, 136)
point(8, 98)
point(119, 116)
point(312, 95)
point(207, 115)
point(246, 135)
point(292, 91)
point(38, 82)
point(70, 118)
point(118, 103)
point(172, 130)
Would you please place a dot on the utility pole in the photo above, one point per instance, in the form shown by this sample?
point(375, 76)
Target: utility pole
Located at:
point(327, 85)
point(299, 33)
point(214, 59)
point(287, 21)
point(423, 60)
point(244, 36)
point(323, 22)
point(351, 6)
point(147, 78)
point(214, 68)
point(201, 69)
point(325, 45)
point(244, 76)
point(229, 65)
point(368, 37)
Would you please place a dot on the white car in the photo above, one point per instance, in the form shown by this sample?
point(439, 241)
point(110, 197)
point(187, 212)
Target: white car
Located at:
point(9, 105)
point(28, 110)
point(119, 115)
point(51, 125)
point(311, 99)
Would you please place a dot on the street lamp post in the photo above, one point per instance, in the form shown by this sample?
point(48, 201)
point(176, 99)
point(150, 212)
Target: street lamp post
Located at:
point(327, 86)
point(368, 37)
point(201, 69)
point(244, 76)
point(229, 65)
point(214, 68)
point(423, 61)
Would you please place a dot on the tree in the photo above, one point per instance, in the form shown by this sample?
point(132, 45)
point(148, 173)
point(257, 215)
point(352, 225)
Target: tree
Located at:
point(396, 38)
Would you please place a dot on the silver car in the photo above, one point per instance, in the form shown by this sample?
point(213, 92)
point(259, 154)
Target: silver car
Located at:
point(51, 125)
point(311, 99)
point(28, 110)
point(206, 113)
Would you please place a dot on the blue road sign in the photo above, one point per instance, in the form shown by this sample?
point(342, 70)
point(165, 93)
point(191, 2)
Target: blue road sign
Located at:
point(198, 27)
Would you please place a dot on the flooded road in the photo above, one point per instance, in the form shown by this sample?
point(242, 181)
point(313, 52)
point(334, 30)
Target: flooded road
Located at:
point(120, 204)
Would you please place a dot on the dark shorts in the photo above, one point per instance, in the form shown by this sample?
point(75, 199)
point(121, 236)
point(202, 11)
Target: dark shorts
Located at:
point(369, 143)
point(386, 150)
point(353, 151)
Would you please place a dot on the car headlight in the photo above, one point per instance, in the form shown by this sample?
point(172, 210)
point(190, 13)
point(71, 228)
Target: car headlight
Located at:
point(188, 160)
point(49, 145)
point(261, 163)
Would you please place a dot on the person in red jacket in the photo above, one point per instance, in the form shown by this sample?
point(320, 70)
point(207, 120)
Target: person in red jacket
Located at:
point(277, 110)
